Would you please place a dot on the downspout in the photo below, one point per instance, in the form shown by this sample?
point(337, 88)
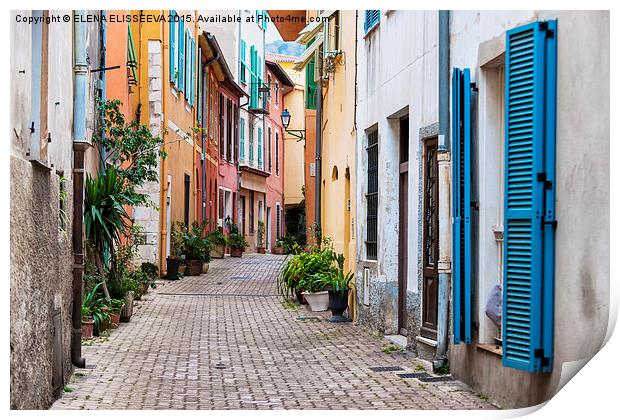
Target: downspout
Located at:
point(204, 150)
point(317, 173)
point(102, 65)
point(80, 144)
point(163, 176)
point(443, 158)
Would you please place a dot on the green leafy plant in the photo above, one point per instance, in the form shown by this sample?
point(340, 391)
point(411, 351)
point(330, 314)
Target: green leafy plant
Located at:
point(189, 242)
point(150, 270)
point(260, 234)
point(235, 238)
point(217, 237)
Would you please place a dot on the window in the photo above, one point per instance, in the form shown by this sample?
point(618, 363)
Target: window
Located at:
point(277, 92)
point(260, 148)
point(243, 215)
point(371, 19)
point(372, 194)
point(251, 227)
point(269, 147)
point(277, 153)
point(251, 145)
point(174, 51)
point(278, 224)
point(242, 61)
point(222, 128)
point(261, 19)
point(310, 86)
point(181, 65)
point(253, 78)
point(241, 139)
point(186, 199)
point(229, 121)
point(269, 86)
point(39, 92)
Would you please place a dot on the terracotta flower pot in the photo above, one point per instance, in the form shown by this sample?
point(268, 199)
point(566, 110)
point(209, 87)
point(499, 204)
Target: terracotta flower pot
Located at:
point(260, 249)
point(193, 268)
point(217, 251)
point(87, 329)
point(278, 250)
point(236, 252)
point(115, 319)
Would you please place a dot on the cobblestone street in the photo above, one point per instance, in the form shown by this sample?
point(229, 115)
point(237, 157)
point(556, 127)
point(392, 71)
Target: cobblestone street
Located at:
point(225, 340)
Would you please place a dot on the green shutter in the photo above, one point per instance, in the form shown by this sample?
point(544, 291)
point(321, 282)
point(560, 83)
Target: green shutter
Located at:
point(529, 202)
point(310, 86)
point(241, 139)
point(242, 61)
point(173, 48)
point(181, 65)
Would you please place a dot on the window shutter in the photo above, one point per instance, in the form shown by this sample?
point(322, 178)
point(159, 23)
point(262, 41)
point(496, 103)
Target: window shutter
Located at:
point(193, 80)
point(529, 215)
point(371, 18)
point(241, 139)
point(242, 60)
point(181, 65)
point(188, 62)
point(173, 48)
point(253, 81)
point(199, 82)
point(461, 206)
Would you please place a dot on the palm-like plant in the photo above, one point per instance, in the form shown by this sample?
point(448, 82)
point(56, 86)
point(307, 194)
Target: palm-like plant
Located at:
point(105, 218)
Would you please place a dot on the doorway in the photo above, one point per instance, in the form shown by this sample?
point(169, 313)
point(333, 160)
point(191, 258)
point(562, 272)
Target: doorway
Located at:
point(430, 240)
point(268, 238)
point(403, 210)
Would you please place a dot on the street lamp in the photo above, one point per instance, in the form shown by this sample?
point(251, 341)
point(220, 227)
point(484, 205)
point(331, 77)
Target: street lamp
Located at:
point(286, 120)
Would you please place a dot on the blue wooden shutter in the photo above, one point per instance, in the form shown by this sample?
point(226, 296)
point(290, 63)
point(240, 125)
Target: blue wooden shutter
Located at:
point(242, 61)
point(371, 18)
point(173, 48)
point(461, 206)
point(181, 65)
point(529, 211)
point(253, 81)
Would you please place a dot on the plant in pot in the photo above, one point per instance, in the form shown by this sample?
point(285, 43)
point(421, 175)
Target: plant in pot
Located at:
point(116, 306)
point(278, 249)
point(260, 237)
point(87, 323)
point(188, 241)
point(290, 273)
point(315, 292)
point(338, 283)
point(218, 243)
point(236, 240)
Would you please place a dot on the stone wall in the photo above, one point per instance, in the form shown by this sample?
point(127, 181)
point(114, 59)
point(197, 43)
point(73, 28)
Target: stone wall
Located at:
point(41, 283)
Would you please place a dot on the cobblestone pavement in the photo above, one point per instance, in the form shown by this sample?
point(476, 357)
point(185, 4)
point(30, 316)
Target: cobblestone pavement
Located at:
point(225, 340)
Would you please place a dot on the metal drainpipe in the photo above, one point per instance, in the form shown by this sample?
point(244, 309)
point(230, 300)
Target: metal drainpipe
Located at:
point(80, 69)
point(102, 77)
point(204, 150)
point(317, 173)
point(443, 158)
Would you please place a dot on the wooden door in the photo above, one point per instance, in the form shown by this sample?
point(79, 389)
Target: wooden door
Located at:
point(430, 248)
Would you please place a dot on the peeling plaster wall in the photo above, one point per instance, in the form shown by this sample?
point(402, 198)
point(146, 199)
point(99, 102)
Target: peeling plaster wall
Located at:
point(397, 75)
point(582, 196)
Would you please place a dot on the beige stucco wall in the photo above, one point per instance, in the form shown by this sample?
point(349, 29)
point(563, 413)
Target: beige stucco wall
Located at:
point(338, 146)
point(294, 149)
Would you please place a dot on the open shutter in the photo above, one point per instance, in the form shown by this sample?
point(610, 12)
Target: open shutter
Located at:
point(181, 66)
point(173, 48)
point(253, 81)
point(461, 205)
point(527, 322)
point(193, 71)
point(242, 61)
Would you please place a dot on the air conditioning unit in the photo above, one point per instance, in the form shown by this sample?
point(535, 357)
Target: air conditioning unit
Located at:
point(366, 286)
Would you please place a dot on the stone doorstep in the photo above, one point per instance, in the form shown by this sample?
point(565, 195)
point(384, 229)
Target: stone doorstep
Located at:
point(397, 339)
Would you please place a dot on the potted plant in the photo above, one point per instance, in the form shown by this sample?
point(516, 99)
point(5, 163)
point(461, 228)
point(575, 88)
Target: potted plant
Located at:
point(127, 308)
point(87, 323)
point(338, 287)
point(190, 243)
point(173, 262)
point(278, 249)
point(315, 293)
point(260, 237)
point(236, 240)
point(116, 306)
point(218, 243)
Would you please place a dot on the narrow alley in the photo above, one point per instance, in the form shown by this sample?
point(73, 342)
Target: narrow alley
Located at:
point(226, 340)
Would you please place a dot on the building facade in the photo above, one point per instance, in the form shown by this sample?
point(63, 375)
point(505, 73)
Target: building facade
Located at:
point(53, 91)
